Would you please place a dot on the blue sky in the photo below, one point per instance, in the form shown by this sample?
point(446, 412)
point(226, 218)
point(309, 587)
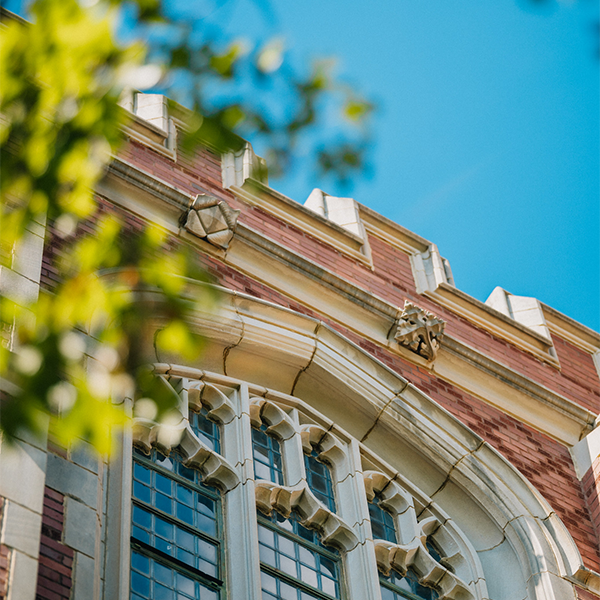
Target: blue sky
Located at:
point(486, 136)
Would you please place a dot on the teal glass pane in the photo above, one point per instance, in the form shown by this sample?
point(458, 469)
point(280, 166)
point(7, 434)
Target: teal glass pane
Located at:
point(396, 587)
point(208, 431)
point(294, 556)
point(266, 453)
point(382, 522)
point(319, 481)
point(153, 580)
point(174, 518)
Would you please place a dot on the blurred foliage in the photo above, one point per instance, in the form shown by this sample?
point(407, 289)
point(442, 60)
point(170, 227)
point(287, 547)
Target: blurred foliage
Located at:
point(74, 353)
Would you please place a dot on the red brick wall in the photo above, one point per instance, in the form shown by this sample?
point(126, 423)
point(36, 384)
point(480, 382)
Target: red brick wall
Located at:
point(56, 560)
point(591, 488)
point(578, 370)
point(4, 559)
point(544, 462)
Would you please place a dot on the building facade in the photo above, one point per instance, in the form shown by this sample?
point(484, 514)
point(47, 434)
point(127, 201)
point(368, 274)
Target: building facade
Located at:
point(357, 427)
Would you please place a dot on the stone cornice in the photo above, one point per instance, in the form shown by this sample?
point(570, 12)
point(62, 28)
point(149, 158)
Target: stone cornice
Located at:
point(494, 321)
point(391, 232)
point(577, 334)
point(539, 393)
point(359, 310)
point(256, 193)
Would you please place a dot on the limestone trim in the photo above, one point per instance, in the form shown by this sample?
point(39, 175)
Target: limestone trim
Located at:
point(238, 166)
point(523, 309)
point(570, 330)
point(278, 423)
point(517, 395)
point(332, 529)
point(148, 434)
point(328, 447)
point(546, 551)
point(255, 193)
point(299, 497)
point(492, 382)
point(411, 550)
point(495, 322)
point(149, 122)
point(248, 182)
point(211, 219)
point(573, 332)
point(419, 330)
point(359, 310)
point(206, 395)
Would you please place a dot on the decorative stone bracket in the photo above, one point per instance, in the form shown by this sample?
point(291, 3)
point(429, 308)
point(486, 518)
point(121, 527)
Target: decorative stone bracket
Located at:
point(401, 557)
point(214, 468)
point(313, 514)
point(211, 219)
point(419, 330)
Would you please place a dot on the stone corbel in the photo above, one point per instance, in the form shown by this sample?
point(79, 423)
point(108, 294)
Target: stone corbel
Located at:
point(313, 514)
point(206, 395)
point(419, 330)
point(277, 421)
point(211, 219)
point(214, 468)
point(401, 557)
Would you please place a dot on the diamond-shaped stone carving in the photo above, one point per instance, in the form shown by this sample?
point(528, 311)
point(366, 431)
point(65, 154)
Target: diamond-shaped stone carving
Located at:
point(211, 219)
point(419, 330)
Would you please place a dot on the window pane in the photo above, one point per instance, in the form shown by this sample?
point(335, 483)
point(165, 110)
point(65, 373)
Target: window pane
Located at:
point(382, 522)
point(298, 563)
point(182, 534)
point(394, 586)
point(319, 480)
point(267, 456)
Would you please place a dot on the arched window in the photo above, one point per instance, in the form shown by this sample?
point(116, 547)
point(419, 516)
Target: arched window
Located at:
point(382, 522)
point(318, 478)
point(176, 531)
point(294, 563)
point(266, 452)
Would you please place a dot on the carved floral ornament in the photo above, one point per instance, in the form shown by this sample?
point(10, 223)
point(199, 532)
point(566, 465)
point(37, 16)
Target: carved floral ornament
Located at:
point(419, 330)
point(211, 219)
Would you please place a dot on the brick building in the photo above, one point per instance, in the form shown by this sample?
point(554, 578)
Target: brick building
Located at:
point(357, 427)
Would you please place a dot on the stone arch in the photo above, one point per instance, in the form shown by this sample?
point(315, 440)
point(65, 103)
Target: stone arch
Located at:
point(282, 350)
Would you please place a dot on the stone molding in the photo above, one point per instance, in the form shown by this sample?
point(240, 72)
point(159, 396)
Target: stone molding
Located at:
point(211, 219)
point(148, 434)
point(365, 313)
point(313, 514)
point(285, 499)
point(244, 164)
point(150, 122)
point(358, 382)
point(411, 550)
point(525, 310)
point(256, 193)
point(419, 330)
point(249, 174)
